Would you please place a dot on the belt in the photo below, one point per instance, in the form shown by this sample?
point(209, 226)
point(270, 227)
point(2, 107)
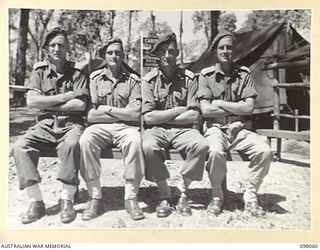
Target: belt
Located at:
point(62, 120)
point(226, 119)
point(63, 113)
point(168, 126)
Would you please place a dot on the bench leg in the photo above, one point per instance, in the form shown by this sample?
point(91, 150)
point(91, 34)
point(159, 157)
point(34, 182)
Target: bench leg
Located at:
point(76, 196)
point(278, 149)
point(224, 185)
point(269, 141)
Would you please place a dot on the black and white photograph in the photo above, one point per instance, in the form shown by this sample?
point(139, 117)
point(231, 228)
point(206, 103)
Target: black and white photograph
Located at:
point(149, 119)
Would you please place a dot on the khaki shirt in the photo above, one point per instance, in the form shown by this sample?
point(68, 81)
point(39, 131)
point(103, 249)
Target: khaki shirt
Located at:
point(116, 94)
point(160, 94)
point(215, 85)
point(45, 80)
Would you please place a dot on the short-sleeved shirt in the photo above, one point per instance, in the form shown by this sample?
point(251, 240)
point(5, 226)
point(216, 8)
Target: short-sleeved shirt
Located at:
point(45, 80)
point(105, 91)
point(215, 85)
point(160, 94)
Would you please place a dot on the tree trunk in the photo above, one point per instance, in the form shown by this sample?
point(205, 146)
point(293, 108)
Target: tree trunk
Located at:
point(20, 70)
point(129, 35)
point(152, 33)
point(214, 17)
point(112, 15)
point(181, 32)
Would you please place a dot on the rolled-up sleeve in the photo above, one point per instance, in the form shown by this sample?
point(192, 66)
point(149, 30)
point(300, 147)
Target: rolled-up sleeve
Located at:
point(148, 101)
point(204, 90)
point(34, 82)
point(192, 97)
point(248, 89)
point(80, 85)
point(135, 93)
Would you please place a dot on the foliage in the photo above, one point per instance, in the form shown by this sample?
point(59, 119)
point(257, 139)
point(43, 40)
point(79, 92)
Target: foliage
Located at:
point(38, 24)
point(193, 50)
point(261, 18)
point(227, 22)
point(201, 20)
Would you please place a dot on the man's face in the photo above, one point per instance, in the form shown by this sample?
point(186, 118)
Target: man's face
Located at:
point(168, 54)
point(114, 55)
point(225, 49)
point(57, 48)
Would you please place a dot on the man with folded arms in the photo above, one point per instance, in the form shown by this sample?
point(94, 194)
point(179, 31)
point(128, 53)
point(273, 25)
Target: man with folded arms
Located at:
point(170, 109)
point(115, 121)
point(227, 94)
point(59, 89)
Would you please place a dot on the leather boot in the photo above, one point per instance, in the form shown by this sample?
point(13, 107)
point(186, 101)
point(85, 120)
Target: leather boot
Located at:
point(67, 214)
point(36, 211)
point(132, 207)
point(164, 209)
point(183, 207)
point(215, 206)
point(94, 209)
point(254, 209)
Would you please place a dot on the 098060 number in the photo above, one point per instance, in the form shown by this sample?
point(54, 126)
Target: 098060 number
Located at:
point(308, 245)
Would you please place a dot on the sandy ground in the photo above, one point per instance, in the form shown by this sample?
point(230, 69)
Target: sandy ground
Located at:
point(285, 195)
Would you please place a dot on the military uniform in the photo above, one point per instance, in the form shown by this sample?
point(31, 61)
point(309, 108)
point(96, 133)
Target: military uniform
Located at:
point(159, 94)
point(53, 129)
point(226, 133)
point(122, 134)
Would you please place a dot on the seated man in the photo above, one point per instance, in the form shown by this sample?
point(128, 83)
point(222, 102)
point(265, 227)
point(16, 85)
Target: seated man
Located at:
point(115, 119)
point(170, 109)
point(226, 94)
point(61, 90)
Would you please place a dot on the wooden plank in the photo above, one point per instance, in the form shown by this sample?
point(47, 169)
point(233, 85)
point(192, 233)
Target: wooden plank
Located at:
point(292, 116)
point(172, 154)
point(278, 65)
point(291, 85)
point(284, 134)
point(18, 88)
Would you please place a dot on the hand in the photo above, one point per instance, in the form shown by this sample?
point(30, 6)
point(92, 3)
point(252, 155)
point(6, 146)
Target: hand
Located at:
point(181, 109)
point(217, 103)
point(133, 104)
point(233, 129)
point(105, 108)
point(68, 96)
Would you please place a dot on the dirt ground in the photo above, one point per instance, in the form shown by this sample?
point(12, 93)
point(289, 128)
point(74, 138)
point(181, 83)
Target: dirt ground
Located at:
point(285, 194)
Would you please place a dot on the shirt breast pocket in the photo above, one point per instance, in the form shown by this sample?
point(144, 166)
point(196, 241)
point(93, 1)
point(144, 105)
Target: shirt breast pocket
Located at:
point(104, 93)
point(179, 98)
point(47, 88)
point(123, 98)
point(161, 95)
point(218, 92)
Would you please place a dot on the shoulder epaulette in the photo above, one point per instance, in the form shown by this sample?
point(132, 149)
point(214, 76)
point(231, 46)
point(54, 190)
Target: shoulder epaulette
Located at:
point(189, 73)
point(208, 70)
point(95, 73)
point(40, 64)
point(244, 68)
point(151, 75)
point(134, 76)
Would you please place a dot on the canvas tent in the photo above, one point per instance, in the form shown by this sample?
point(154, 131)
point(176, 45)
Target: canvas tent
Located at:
point(255, 49)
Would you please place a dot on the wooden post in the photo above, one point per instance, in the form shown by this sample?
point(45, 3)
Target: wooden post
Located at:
point(296, 120)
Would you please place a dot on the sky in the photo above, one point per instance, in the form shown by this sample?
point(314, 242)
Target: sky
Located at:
point(173, 19)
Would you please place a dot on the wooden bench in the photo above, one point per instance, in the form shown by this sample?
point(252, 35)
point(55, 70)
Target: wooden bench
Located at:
point(171, 154)
point(279, 134)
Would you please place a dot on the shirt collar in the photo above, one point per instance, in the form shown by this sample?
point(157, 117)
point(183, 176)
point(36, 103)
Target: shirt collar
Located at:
point(235, 71)
point(108, 74)
point(179, 75)
point(52, 72)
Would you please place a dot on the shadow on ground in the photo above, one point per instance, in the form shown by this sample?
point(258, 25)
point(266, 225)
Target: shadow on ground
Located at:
point(198, 199)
